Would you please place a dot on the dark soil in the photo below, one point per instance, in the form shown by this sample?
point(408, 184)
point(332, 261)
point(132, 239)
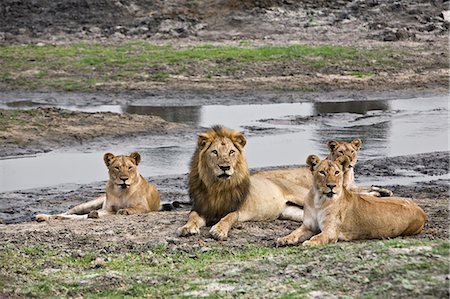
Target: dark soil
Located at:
point(306, 20)
point(415, 32)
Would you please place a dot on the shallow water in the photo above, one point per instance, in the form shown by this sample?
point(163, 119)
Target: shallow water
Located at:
point(278, 134)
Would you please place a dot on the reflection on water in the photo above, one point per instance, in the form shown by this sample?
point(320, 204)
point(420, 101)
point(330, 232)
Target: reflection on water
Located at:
point(186, 114)
point(359, 107)
point(387, 128)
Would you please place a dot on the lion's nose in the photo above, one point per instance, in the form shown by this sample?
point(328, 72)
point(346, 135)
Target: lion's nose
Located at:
point(224, 168)
point(331, 186)
point(124, 178)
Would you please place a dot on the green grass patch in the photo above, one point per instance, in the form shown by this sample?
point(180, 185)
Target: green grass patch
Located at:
point(79, 67)
point(373, 269)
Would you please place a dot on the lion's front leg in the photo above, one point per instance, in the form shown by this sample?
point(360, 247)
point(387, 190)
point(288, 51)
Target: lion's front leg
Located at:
point(193, 225)
point(220, 230)
point(297, 236)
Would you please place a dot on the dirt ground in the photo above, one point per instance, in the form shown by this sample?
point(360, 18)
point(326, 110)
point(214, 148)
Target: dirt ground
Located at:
point(414, 32)
point(160, 227)
point(413, 24)
point(45, 129)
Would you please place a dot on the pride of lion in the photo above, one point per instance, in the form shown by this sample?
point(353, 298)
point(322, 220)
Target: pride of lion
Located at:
point(323, 196)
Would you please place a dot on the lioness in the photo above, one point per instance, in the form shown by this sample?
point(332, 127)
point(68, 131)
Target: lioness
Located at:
point(303, 177)
point(350, 149)
point(333, 213)
point(127, 192)
point(223, 192)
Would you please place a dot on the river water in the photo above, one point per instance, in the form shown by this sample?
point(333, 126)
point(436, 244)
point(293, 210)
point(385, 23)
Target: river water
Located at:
point(278, 134)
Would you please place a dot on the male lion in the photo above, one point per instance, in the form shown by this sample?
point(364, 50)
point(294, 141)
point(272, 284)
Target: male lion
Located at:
point(127, 192)
point(223, 192)
point(333, 213)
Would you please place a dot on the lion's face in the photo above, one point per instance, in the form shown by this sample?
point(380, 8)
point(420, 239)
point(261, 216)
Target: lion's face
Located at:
point(221, 153)
point(221, 158)
point(348, 149)
point(328, 175)
point(122, 169)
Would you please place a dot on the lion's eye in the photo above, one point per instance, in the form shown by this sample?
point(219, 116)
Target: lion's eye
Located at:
point(353, 152)
point(214, 152)
point(130, 168)
point(341, 152)
point(322, 172)
point(116, 168)
point(232, 152)
point(337, 172)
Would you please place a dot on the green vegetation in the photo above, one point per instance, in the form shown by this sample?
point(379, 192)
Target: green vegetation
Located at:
point(374, 269)
point(81, 67)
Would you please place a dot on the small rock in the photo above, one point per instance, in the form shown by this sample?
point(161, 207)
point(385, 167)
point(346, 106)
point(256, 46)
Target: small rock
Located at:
point(446, 15)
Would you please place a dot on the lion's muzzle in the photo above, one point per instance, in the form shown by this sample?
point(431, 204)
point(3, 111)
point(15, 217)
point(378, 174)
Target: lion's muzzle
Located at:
point(226, 172)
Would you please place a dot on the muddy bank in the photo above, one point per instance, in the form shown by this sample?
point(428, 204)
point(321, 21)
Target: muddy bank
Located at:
point(44, 129)
point(410, 52)
point(308, 20)
point(148, 230)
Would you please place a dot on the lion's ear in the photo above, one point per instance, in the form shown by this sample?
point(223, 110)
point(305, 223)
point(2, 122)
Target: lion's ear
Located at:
point(136, 157)
point(203, 139)
point(108, 157)
point(357, 143)
point(312, 161)
point(332, 144)
point(344, 162)
point(239, 139)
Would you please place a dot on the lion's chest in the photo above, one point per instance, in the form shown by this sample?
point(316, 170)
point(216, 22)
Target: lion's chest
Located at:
point(318, 215)
point(118, 200)
point(316, 220)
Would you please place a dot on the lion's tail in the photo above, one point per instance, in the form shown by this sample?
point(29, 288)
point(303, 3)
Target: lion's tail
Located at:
point(174, 205)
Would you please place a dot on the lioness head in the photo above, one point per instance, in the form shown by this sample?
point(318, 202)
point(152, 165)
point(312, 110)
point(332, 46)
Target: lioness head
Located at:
point(122, 169)
point(349, 149)
point(221, 153)
point(328, 175)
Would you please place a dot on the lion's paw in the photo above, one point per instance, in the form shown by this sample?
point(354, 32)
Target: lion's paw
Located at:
point(42, 217)
point(381, 192)
point(218, 233)
point(287, 240)
point(309, 243)
point(188, 230)
point(123, 212)
point(93, 214)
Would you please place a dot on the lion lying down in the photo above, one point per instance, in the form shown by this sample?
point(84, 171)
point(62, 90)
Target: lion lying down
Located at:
point(223, 192)
point(127, 192)
point(333, 213)
point(302, 175)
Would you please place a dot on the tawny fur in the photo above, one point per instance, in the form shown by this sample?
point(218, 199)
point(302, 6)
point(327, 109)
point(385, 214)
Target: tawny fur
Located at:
point(333, 213)
point(303, 177)
point(127, 192)
point(350, 150)
point(223, 192)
